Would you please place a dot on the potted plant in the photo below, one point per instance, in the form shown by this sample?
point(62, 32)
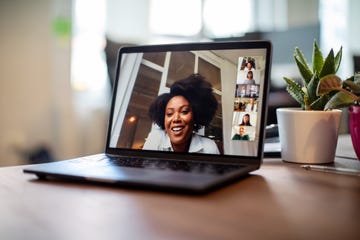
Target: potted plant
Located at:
point(344, 94)
point(309, 134)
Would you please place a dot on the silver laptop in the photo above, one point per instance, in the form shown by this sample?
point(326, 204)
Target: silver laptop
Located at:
point(184, 117)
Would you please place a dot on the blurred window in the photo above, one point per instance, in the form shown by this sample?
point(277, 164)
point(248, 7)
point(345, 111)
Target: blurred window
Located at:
point(177, 18)
point(212, 18)
point(88, 68)
point(227, 18)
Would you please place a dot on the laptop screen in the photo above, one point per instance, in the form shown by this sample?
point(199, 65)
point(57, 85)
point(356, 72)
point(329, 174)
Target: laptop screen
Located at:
point(202, 98)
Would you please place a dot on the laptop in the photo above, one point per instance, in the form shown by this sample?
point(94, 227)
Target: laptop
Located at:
point(184, 118)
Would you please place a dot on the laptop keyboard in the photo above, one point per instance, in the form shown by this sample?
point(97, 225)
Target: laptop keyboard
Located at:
point(186, 166)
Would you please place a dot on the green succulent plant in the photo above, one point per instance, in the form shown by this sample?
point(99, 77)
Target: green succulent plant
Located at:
point(344, 93)
point(321, 89)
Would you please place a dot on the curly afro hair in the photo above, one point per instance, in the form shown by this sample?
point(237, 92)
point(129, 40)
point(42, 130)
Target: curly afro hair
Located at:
point(197, 91)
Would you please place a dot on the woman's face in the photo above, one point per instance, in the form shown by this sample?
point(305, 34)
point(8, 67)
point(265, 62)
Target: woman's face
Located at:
point(246, 118)
point(178, 122)
point(249, 65)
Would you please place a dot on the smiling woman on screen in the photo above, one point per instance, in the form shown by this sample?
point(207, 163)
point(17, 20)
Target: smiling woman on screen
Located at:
point(179, 115)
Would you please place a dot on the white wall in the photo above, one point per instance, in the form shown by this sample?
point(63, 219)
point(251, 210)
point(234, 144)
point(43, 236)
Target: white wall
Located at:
point(353, 20)
point(35, 95)
point(302, 13)
point(37, 104)
point(127, 21)
point(25, 70)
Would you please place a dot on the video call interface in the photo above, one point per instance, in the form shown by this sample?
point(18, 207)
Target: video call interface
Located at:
point(236, 78)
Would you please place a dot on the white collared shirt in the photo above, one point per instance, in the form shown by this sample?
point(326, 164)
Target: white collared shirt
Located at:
point(159, 140)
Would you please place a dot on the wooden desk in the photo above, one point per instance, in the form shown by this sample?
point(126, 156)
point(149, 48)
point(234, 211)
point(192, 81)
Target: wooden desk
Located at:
point(279, 201)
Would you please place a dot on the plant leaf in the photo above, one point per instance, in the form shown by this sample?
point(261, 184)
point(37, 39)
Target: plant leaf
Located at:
point(311, 89)
point(295, 90)
point(352, 78)
point(339, 100)
point(352, 85)
point(319, 104)
point(303, 67)
point(306, 105)
point(300, 56)
point(329, 65)
point(338, 58)
point(329, 83)
point(317, 59)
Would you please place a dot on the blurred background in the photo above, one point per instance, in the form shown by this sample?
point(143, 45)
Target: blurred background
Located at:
point(57, 60)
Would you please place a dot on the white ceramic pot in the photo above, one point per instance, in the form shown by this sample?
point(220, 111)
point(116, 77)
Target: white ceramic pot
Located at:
point(308, 137)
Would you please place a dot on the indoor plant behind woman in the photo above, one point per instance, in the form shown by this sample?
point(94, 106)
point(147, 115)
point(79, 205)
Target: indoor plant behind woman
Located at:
point(309, 134)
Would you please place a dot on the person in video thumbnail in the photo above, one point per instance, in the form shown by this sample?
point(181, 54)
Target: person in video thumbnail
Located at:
point(241, 135)
point(179, 115)
point(249, 78)
point(249, 66)
point(246, 120)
